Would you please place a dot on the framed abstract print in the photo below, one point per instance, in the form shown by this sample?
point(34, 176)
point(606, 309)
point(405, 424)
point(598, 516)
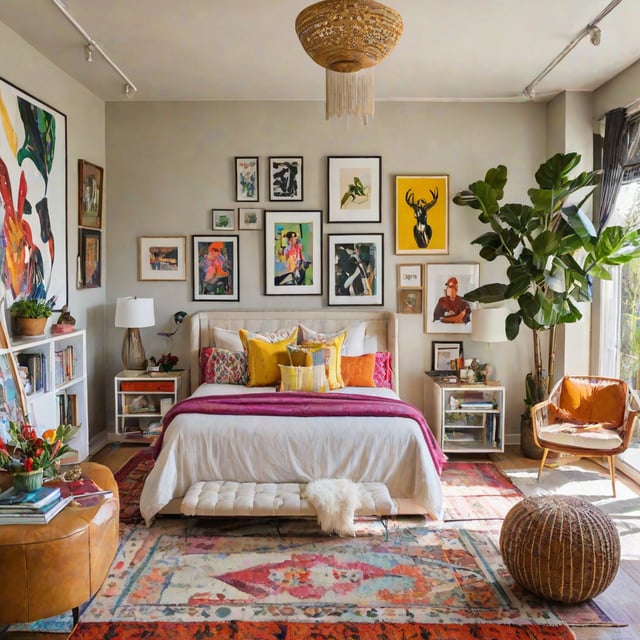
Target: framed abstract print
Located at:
point(422, 214)
point(356, 269)
point(293, 253)
point(223, 219)
point(285, 178)
point(447, 311)
point(162, 258)
point(216, 264)
point(13, 405)
point(90, 188)
point(354, 188)
point(409, 301)
point(247, 179)
point(249, 218)
point(33, 147)
point(90, 243)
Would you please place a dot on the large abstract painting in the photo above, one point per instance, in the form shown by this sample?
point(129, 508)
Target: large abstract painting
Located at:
point(33, 198)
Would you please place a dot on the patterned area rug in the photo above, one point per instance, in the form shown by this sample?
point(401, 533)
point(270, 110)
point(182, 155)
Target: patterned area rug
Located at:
point(298, 631)
point(130, 479)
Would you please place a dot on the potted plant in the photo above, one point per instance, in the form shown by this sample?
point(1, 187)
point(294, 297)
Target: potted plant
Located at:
point(30, 315)
point(553, 253)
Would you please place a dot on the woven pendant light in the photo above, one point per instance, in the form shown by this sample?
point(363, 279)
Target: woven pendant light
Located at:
point(348, 38)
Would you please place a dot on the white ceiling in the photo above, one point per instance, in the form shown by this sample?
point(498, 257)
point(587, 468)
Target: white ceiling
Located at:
point(248, 49)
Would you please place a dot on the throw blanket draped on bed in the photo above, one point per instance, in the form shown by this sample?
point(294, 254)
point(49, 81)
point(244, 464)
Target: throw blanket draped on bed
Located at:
point(305, 404)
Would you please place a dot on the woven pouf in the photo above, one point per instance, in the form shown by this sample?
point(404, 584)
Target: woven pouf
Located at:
point(560, 547)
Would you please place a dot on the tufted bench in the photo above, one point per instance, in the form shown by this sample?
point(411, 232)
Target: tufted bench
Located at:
point(286, 499)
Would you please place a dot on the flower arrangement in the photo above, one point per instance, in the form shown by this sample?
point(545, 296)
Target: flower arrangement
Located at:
point(27, 451)
point(167, 361)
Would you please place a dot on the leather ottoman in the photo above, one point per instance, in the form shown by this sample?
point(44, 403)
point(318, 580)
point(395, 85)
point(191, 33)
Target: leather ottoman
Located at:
point(48, 569)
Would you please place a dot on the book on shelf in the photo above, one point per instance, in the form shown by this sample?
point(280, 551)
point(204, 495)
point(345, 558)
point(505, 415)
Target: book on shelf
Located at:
point(36, 365)
point(477, 404)
point(36, 516)
point(14, 499)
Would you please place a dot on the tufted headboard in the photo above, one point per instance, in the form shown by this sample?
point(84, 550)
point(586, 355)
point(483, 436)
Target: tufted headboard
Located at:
point(380, 335)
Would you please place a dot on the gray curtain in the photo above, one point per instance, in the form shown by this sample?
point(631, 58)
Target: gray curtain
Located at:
point(613, 157)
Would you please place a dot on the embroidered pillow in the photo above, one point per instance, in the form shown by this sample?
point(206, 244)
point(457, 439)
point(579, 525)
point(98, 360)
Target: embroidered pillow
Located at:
point(303, 378)
point(263, 360)
point(357, 371)
point(353, 344)
point(225, 339)
point(221, 366)
point(267, 336)
point(383, 372)
point(333, 348)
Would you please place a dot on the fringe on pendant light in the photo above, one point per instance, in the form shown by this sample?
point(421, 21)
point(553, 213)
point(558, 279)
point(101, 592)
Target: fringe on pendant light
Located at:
point(350, 94)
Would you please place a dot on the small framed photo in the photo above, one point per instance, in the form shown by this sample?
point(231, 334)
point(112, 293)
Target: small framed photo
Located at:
point(249, 218)
point(285, 178)
point(446, 356)
point(422, 214)
point(90, 187)
point(247, 179)
point(409, 276)
point(162, 258)
point(293, 252)
point(356, 269)
point(223, 219)
point(410, 301)
point(216, 268)
point(90, 242)
point(354, 188)
point(447, 311)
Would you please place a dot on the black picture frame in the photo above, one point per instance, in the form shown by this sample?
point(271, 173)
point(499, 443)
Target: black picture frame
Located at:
point(216, 287)
point(90, 268)
point(286, 178)
point(454, 349)
point(247, 183)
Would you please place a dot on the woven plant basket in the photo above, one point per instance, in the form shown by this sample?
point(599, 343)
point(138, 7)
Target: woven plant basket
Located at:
point(560, 547)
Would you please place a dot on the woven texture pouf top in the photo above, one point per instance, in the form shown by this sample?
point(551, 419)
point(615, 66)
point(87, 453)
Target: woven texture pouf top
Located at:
point(560, 547)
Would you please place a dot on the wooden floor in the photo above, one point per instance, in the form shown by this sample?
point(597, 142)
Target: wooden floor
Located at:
point(620, 601)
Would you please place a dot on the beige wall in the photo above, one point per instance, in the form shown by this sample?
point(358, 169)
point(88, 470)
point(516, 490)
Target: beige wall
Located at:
point(24, 67)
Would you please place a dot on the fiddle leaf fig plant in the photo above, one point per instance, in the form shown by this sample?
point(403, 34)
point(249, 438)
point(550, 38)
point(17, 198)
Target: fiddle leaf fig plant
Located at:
point(553, 253)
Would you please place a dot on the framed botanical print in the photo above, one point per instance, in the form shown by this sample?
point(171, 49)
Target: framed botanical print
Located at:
point(285, 178)
point(90, 258)
point(446, 356)
point(247, 179)
point(409, 301)
point(216, 265)
point(90, 187)
point(447, 311)
point(354, 188)
point(422, 214)
point(409, 276)
point(293, 252)
point(249, 218)
point(223, 219)
point(162, 258)
point(356, 269)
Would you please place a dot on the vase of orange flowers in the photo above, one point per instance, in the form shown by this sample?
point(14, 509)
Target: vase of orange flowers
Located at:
point(33, 457)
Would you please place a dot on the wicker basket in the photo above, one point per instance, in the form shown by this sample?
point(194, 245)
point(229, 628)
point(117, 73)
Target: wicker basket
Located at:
point(560, 547)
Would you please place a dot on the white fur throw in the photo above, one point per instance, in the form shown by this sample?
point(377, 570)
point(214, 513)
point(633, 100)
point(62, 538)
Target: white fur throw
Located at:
point(335, 502)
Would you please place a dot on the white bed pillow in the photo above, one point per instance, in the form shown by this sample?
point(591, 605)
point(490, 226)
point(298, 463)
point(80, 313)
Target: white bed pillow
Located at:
point(225, 339)
point(353, 344)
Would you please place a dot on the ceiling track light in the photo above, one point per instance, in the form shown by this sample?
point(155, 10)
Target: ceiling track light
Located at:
point(92, 46)
point(128, 90)
point(595, 35)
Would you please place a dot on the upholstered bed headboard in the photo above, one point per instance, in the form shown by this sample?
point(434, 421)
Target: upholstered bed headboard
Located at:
point(380, 334)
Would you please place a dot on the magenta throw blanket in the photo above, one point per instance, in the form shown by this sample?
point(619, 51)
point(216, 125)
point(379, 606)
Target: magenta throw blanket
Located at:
point(300, 404)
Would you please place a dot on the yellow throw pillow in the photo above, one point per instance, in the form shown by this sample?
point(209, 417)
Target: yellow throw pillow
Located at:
point(303, 378)
point(332, 357)
point(267, 336)
point(357, 371)
point(263, 359)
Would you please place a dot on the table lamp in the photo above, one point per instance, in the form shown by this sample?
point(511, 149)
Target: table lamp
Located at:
point(487, 325)
point(134, 313)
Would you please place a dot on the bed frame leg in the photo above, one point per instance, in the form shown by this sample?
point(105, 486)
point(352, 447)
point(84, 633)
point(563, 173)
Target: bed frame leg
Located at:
point(385, 523)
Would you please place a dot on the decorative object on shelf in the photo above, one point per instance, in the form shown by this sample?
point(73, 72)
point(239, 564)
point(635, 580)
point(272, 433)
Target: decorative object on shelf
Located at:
point(90, 243)
point(133, 314)
point(285, 178)
point(247, 179)
point(162, 258)
point(90, 181)
point(356, 269)
point(223, 219)
point(27, 451)
point(216, 263)
point(354, 188)
point(548, 279)
point(348, 38)
point(30, 315)
point(178, 318)
point(422, 214)
point(66, 322)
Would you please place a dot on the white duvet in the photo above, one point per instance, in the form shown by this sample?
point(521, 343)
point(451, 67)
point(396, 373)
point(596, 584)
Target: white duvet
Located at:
point(201, 447)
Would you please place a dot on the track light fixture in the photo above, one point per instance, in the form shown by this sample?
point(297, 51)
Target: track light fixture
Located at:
point(88, 53)
point(595, 34)
point(128, 90)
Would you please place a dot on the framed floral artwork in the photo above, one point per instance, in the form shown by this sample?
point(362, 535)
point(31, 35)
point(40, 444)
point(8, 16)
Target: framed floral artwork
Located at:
point(162, 258)
point(356, 269)
point(354, 188)
point(285, 178)
point(447, 311)
point(247, 179)
point(293, 252)
point(90, 275)
point(216, 265)
point(422, 214)
point(249, 218)
point(223, 219)
point(90, 187)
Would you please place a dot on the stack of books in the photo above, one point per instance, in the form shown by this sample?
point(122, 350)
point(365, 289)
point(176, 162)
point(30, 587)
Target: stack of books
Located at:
point(84, 491)
point(33, 507)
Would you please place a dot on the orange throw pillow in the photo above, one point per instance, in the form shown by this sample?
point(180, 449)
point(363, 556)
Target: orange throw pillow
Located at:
point(357, 371)
point(582, 401)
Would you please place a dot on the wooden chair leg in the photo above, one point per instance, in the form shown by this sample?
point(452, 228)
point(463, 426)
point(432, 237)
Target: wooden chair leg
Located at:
point(612, 473)
point(545, 452)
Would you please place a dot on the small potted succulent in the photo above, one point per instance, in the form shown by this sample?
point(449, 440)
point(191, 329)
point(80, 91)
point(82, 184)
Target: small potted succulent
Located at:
point(31, 315)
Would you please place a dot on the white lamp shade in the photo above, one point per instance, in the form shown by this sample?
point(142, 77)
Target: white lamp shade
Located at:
point(487, 325)
point(134, 312)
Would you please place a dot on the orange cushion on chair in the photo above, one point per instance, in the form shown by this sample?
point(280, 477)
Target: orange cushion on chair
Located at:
point(585, 401)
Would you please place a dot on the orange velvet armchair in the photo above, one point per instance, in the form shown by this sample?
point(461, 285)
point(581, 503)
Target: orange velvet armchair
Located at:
point(586, 416)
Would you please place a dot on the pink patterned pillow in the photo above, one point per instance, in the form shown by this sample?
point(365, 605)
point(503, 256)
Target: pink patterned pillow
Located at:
point(382, 372)
point(219, 366)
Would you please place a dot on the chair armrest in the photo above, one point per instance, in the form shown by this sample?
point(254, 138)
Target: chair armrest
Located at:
point(539, 417)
